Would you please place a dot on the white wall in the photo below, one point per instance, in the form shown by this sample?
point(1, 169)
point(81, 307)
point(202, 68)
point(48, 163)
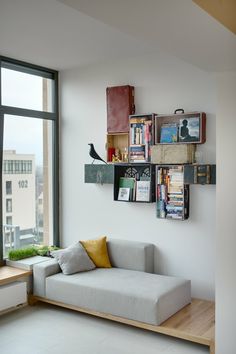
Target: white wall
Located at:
point(226, 216)
point(162, 84)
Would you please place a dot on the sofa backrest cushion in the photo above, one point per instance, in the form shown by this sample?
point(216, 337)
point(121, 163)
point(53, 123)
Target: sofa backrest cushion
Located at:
point(132, 255)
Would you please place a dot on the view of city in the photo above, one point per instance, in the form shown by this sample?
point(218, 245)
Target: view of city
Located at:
point(26, 170)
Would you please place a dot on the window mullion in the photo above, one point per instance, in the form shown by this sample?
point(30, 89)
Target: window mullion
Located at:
point(24, 112)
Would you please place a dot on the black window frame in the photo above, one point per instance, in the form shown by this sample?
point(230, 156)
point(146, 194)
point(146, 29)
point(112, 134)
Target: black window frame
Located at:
point(28, 68)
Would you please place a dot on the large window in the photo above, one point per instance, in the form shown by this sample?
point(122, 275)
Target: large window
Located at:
point(29, 156)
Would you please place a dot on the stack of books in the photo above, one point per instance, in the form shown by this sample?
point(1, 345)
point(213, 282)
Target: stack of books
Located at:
point(175, 202)
point(170, 193)
point(137, 153)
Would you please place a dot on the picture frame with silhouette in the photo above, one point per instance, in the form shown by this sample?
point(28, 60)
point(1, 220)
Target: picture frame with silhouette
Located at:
point(189, 129)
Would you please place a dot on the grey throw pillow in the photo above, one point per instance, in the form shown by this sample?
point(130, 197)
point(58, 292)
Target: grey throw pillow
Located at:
point(73, 259)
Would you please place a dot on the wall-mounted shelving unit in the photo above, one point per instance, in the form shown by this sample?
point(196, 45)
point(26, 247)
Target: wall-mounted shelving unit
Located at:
point(153, 156)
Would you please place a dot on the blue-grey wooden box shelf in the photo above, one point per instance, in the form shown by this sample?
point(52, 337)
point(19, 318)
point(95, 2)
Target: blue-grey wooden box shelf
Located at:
point(100, 173)
point(200, 174)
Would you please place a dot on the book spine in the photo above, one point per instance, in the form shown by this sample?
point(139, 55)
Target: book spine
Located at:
point(143, 133)
point(132, 133)
point(158, 176)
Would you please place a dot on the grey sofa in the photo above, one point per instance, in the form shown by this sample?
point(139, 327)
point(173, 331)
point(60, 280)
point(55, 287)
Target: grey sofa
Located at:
point(128, 290)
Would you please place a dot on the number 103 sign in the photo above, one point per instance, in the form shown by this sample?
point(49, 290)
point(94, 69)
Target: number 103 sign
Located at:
point(23, 184)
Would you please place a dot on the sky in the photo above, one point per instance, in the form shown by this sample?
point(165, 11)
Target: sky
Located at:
point(21, 133)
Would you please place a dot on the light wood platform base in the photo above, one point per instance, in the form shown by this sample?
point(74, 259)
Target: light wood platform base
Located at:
point(9, 274)
point(195, 322)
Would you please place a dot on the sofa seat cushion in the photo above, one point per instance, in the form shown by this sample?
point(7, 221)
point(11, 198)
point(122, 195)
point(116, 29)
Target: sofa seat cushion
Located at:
point(135, 295)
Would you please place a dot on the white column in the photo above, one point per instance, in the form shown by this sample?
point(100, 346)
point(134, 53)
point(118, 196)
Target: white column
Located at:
point(226, 215)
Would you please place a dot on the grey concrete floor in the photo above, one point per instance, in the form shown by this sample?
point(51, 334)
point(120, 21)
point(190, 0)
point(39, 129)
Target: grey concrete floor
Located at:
point(45, 329)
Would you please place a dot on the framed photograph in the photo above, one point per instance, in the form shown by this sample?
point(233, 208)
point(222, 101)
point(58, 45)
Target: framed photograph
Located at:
point(124, 194)
point(189, 129)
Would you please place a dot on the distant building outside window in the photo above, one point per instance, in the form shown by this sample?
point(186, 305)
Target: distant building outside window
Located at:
point(17, 167)
point(8, 187)
point(8, 205)
point(9, 220)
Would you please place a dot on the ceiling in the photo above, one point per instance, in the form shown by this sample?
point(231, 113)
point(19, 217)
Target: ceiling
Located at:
point(63, 34)
point(51, 34)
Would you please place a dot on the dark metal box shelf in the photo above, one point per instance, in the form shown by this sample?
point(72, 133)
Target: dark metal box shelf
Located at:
point(135, 170)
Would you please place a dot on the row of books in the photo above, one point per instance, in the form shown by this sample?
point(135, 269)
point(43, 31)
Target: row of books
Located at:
point(140, 133)
point(188, 130)
point(140, 139)
point(132, 190)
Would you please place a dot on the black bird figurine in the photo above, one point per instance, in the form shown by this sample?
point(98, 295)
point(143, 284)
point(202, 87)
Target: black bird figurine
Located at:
point(94, 154)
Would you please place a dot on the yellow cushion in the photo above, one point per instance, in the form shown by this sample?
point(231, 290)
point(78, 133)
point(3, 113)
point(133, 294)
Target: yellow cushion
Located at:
point(97, 251)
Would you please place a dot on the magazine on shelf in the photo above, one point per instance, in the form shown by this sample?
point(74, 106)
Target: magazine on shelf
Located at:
point(169, 133)
point(143, 191)
point(124, 193)
point(128, 182)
